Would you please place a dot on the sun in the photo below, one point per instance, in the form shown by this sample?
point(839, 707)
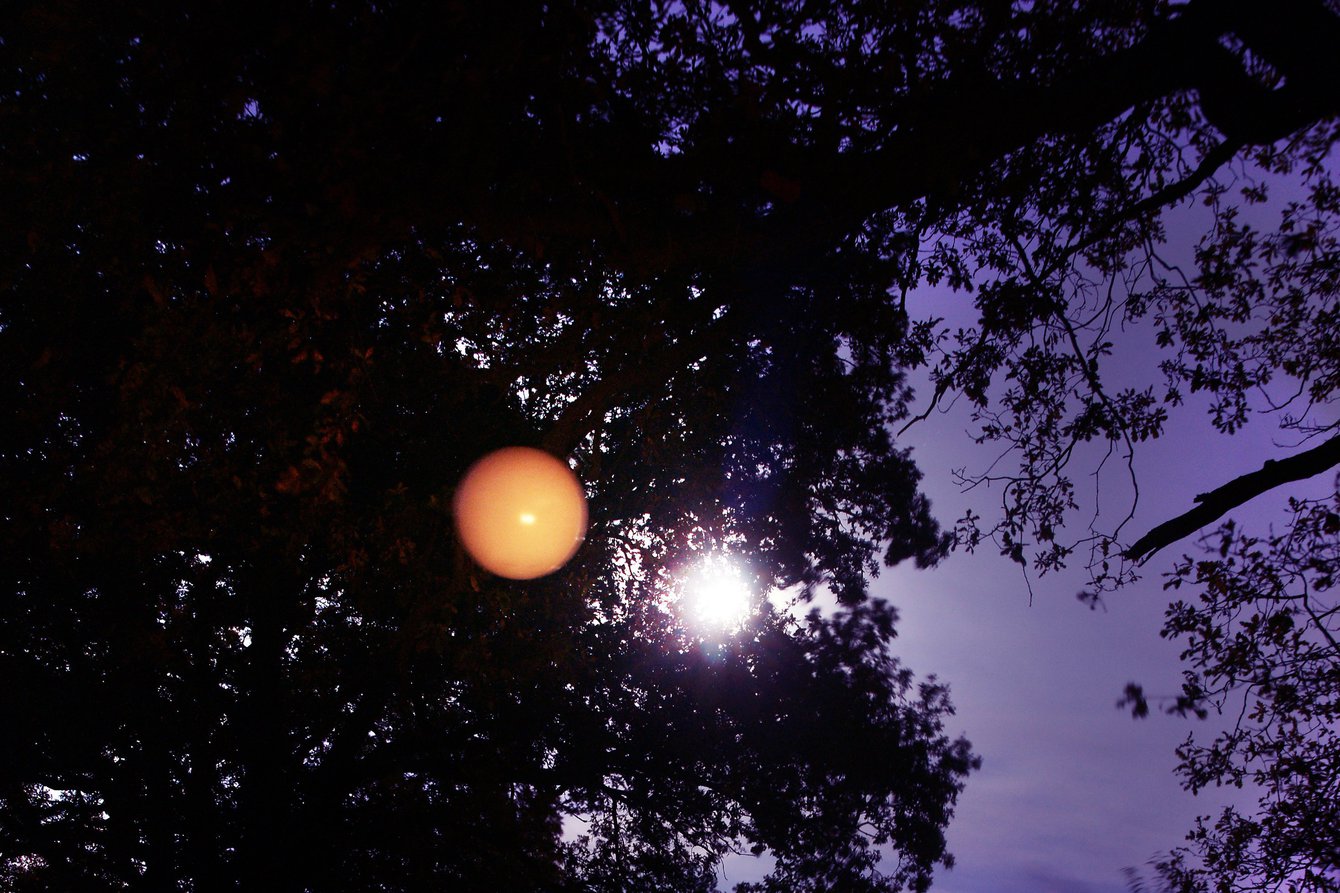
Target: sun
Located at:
point(717, 595)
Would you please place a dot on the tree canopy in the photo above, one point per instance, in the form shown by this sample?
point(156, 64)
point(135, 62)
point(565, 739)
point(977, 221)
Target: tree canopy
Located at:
point(273, 276)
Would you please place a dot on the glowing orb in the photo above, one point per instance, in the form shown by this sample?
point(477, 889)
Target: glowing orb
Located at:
point(520, 513)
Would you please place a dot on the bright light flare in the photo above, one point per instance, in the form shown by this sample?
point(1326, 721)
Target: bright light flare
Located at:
point(716, 595)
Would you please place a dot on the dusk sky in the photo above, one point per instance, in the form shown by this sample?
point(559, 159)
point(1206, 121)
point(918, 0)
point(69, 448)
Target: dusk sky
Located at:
point(1072, 790)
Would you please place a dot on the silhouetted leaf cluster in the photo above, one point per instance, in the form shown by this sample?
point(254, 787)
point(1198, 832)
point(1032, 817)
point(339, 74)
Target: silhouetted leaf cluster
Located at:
point(1261, 649)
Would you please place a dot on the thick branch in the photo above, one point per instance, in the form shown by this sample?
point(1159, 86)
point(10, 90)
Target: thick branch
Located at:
point(1218, 502)
point(949, 137)
point(683, 213)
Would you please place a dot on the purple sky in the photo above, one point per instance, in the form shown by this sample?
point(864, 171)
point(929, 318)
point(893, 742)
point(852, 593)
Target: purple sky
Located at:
point(1072, 790)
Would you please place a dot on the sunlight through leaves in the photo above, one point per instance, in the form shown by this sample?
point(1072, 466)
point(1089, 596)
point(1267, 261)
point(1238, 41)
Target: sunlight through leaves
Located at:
point(717, 596)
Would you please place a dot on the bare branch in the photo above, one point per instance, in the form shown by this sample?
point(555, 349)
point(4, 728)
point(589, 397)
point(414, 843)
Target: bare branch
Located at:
point(1218, 502)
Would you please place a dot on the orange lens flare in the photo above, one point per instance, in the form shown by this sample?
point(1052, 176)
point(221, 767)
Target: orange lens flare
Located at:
point(520, 513)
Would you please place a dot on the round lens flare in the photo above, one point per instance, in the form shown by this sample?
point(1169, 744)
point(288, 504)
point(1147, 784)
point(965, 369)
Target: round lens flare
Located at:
point(520, 513)
point(717, 595)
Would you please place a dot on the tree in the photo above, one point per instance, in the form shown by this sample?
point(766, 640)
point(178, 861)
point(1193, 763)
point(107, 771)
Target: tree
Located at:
point(272, 278)
point(1261, 644)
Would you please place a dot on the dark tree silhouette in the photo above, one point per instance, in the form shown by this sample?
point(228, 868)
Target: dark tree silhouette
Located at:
point(1261, 646)
point(272, 276)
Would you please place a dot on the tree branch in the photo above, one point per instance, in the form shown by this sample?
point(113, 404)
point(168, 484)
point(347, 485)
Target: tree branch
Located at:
point(1218, 502)
point(1213, 160)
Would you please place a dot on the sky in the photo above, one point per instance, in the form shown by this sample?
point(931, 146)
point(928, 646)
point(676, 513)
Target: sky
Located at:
point(1072, 790)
